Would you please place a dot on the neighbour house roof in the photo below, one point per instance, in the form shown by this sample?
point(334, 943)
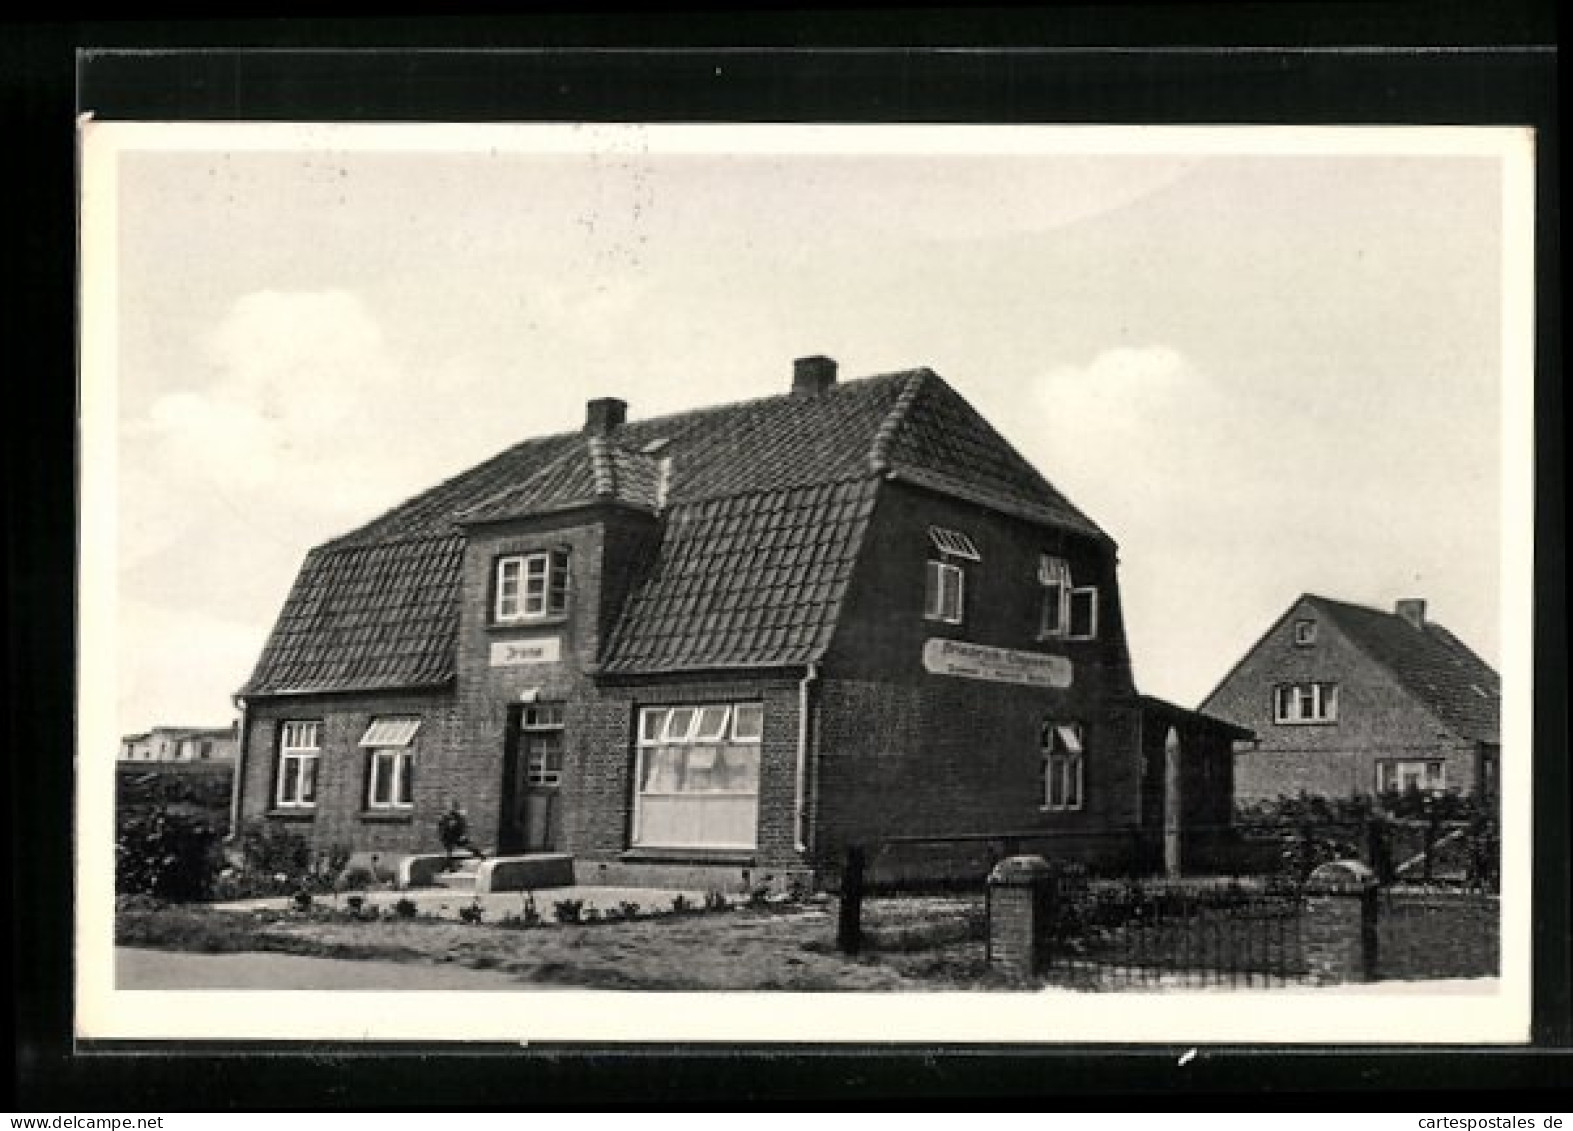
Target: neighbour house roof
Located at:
point(764, 503)
point(1429, 661)
point(1164, 711)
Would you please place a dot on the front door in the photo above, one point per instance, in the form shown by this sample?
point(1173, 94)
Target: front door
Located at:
point(533, 772)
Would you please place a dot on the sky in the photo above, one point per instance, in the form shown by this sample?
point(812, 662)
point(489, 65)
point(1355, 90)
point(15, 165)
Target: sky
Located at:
point(1262, 371)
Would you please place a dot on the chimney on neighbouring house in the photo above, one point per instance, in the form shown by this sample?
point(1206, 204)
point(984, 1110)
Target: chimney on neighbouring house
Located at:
point(604, 414)
point(811, 375)
point(1413, 610)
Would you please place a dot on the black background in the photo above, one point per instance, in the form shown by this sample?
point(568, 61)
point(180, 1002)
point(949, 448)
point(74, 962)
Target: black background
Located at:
point(1300, 63)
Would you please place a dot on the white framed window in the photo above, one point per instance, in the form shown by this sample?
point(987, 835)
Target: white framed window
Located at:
point(531, 586)
point(1429, 775)
point(300, 749)
point(1304, 633)
point(1068, 611)
point(541, 727)
point(697, 773)
point(1300, 703)
point(1061, 744)
point(944, 594)
point(390, 771)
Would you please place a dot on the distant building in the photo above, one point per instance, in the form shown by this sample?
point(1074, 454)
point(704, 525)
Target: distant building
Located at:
point(1349, 700)
point(182, 744)
point(735, 639)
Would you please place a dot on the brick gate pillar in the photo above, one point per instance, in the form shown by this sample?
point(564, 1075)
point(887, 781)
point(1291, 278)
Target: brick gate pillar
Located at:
point(1340, 923)
point(1020, 903)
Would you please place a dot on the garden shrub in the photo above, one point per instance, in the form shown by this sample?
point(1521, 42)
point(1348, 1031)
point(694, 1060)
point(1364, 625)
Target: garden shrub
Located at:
point(166, 855)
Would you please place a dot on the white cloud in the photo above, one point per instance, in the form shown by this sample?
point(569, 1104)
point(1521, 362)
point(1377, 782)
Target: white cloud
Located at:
point(180, 666)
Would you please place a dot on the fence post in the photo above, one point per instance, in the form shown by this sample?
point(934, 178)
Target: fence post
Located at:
point(1433, 828)
point(849, 924)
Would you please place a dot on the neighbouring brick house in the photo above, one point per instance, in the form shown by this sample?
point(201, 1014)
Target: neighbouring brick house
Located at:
point(738, 638)
point(181, 744)
point(1351, 700)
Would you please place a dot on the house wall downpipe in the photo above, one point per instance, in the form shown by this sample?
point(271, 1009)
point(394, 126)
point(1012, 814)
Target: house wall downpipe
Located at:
point(237, 784)
point(800, 808)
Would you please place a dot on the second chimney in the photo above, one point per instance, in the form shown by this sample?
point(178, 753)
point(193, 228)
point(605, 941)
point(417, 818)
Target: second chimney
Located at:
point(811, 375)
point(1413, 610)
point(604, 414)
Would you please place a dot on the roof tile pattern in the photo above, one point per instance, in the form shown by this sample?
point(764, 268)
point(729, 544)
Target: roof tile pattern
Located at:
point(365, 618)
point(765, 503)
point(1433, 664)
point(943, 443)
point(745, 581)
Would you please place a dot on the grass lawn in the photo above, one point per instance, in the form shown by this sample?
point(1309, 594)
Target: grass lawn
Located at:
point(914, 946)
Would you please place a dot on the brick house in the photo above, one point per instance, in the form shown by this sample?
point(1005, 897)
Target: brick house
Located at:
point(1352, 700)
point(727, 640)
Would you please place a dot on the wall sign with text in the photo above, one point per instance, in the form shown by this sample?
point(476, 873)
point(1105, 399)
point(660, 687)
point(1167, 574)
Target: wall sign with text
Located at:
point(995, 665)
point(516, 653)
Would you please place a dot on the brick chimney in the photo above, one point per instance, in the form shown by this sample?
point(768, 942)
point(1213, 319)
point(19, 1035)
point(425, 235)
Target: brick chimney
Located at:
point(813, 375)
point(1413, 610)
point(604, 414)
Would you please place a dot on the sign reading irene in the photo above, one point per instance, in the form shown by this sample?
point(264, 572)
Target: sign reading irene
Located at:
point(511, 653)
point(997, 665)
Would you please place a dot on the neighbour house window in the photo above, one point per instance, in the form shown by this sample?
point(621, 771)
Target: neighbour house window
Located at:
point(944, 597)
point(698, 776)
point(300, 746)
point(390, 776)
point(1429, 775)
point(1069, 611)
point(1305, 703)
point(1304, 632)
point(531, 586)
point(1061, 744)
point(542, 731)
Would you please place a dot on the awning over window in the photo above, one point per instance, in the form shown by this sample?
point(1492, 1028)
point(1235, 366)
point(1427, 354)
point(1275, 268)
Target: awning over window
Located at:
point(954, 543)
point(390, 732)
point(1053, 571)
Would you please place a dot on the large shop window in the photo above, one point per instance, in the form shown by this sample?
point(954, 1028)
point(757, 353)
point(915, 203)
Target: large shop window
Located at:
point(1069, 611)
point(390, 776)
point(698, 776)
point(1062, 765)
point(300, 747)
point(531, 586)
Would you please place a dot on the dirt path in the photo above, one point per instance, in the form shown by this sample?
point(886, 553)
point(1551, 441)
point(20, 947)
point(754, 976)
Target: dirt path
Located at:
point(137, 969)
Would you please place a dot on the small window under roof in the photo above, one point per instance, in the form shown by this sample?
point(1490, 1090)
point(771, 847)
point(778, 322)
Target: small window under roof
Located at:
point(954, 543)
point(390, 732)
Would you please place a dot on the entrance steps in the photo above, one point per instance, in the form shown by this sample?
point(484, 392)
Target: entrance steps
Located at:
point(497, 873)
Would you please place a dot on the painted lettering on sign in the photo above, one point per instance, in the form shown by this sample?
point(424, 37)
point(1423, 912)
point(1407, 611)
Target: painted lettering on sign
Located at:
point(996, 665)
point(512, 653)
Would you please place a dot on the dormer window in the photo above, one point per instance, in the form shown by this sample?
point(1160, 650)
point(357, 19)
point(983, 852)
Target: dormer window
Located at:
point(1068, 611)
point(946, 580)
point(531, 586)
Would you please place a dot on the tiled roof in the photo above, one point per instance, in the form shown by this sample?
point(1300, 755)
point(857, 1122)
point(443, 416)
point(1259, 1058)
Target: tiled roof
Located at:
point(943, 443)
point(597, 469)
point(779, 478)
point(366, 617)
point(745, 581)
point(1433, 664)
